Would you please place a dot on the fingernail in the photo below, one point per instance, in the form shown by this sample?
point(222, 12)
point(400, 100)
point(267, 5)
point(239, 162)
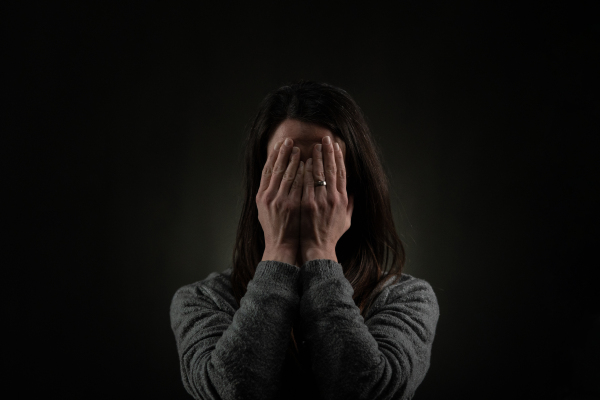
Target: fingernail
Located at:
point(288, 142)
point(327, 140)
point(319, 147)
point(337, 146)
point(277, 145)
point(295, 150)
point(301, 164)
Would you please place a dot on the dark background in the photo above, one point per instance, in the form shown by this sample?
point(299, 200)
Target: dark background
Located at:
point(126, 126)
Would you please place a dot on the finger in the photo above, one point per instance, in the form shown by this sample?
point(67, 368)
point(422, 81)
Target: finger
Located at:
point(268, 168)
point(309, 182)
point(296, 190)
point(329, 163)
point(290, 172)
point(341, 169)
point(280, 165)
point(318, 173)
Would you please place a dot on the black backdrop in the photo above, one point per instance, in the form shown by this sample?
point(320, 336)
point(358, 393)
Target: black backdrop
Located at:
point(126, 125)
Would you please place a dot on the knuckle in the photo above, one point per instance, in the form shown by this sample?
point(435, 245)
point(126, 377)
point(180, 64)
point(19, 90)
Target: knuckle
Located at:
point(308, 206)
point(296, 183)
point(267, 170)
point(288, 176)
point(319, 174)
point(278, 170)
point(268, 198)
point(291, 206)
point(342, 173)
point(277, 205)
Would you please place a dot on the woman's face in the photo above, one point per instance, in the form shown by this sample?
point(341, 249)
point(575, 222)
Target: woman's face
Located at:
point(304, 135)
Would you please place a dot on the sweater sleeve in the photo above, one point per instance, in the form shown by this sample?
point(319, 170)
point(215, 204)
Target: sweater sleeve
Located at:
point(232, 355)
point(384, 357)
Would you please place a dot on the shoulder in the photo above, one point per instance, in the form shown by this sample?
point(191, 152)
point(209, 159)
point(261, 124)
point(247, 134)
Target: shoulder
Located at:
point(213, 291)
point(408, 287)
point(409, 294)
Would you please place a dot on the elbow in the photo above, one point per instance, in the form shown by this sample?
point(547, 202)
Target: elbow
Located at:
point(389, 380)
point(200, 382)
point(207, 380)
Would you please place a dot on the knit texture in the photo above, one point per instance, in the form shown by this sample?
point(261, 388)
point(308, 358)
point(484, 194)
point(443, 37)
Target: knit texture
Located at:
point(231, 352)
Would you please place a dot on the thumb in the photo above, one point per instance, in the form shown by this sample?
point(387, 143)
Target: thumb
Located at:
point(349, 210)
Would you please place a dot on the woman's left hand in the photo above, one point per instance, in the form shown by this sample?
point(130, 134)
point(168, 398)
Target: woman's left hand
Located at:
point(326, 211)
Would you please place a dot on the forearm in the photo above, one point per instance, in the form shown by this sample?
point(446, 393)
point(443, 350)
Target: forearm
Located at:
point(258, 337)
point(240, 356)
point(340, 345)
point(385, 358)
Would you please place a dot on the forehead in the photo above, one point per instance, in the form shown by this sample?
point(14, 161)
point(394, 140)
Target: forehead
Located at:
point(303, 134)
point(299, 131)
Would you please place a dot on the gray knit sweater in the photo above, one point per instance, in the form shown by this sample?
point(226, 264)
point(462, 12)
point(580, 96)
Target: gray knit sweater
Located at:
point(231, 352)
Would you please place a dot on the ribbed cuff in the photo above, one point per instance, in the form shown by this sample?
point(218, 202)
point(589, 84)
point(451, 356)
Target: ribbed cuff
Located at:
point(320, 269)
point(279, 272)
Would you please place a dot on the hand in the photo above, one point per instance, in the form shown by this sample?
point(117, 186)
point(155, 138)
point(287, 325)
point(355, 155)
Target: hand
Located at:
point(326, 210)
point(278, 202)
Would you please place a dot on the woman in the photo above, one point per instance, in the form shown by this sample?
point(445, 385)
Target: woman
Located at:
point(316, 304)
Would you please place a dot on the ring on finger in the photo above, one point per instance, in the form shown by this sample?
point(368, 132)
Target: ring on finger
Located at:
point(320, 183)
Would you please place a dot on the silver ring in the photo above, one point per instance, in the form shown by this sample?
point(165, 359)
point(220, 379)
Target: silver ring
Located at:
point(320, 183)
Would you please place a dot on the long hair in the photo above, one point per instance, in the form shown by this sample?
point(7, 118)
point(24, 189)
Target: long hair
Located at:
point(370, 251)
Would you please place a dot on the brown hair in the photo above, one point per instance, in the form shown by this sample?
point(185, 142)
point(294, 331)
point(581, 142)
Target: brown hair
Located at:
point(371, 246)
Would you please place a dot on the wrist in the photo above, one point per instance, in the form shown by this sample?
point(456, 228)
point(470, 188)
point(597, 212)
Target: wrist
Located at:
point(281, 254)
point(316, 253)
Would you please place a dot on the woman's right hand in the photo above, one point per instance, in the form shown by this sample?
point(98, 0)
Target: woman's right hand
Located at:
point(278, 202)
